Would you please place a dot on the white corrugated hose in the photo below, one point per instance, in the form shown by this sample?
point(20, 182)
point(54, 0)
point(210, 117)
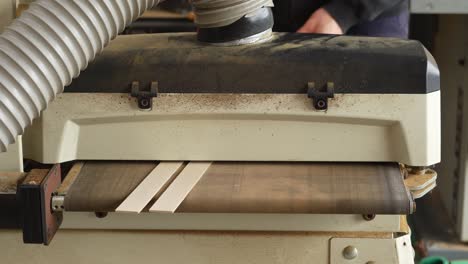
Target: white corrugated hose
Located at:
point(44, 49)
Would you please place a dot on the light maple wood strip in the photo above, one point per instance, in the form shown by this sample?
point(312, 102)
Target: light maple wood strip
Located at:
point(156, 181)
point(180, 188)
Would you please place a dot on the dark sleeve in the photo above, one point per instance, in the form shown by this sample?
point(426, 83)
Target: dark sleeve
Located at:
point(351, 12)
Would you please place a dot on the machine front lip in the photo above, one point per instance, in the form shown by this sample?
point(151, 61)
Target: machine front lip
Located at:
point(86, 127)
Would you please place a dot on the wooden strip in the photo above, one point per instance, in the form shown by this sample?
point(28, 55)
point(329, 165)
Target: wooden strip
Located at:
point(421, 193)
point(180, 188)
point(416, 182)
point(9, 181)
point(156, 181)
point(35, 177)
point(70, 178)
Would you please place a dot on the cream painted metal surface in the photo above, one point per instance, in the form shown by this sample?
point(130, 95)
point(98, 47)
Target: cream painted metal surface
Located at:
point(184, 247)
point(372, 250)
point(7, 12)
point(233, 222)
point(118, 247)
point(12, 161)
point(402, 128)
point(439, 6)
point(404, 249)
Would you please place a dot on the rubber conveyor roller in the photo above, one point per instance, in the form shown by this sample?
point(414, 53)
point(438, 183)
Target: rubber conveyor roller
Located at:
point(255, 187)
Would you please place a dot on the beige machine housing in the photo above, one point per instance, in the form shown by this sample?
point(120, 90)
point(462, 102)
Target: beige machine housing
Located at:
point(255, 127)
point(97, 121)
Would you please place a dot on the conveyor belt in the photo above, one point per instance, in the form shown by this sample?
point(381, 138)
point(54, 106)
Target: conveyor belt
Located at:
point(102, 186)
point(245, 187)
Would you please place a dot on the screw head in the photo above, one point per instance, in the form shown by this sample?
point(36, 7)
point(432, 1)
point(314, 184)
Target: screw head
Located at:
point(101, 214)
point(369, 217)
point(144, 102)
point(321, 104)
point(350, 252)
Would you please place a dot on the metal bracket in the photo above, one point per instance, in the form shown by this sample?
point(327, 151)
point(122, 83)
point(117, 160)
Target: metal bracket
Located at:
point(420, 181)
point(145, 98)
point(58, 203)
point(372, 250)
point(321, 95)
point(39, 223)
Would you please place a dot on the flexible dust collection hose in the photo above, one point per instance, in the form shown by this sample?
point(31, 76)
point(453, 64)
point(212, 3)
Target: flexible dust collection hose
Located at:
point(43, 50)
point(48, 46)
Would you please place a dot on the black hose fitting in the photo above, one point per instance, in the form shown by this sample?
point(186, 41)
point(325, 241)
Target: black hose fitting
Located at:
point(248, 26)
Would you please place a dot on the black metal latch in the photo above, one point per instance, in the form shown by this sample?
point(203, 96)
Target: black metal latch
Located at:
point(145, 98)
point(321, 95)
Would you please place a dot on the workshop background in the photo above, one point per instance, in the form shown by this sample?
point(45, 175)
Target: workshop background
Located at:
point(440, 226)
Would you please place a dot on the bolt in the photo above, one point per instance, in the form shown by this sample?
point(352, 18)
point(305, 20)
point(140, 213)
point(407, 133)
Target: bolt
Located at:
point(321, 104)
point(350, 252)
point(369, 217)
point(144, 102)
point(462, 62)
point(100, 214)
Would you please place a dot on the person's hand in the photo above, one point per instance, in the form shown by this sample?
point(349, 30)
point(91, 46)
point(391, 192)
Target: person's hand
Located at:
point(321, 22)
